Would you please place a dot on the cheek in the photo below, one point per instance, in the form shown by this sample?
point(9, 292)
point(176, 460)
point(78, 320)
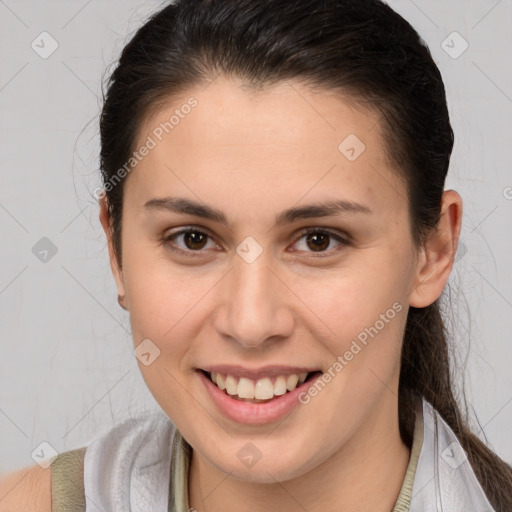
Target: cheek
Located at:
point(160, 293)
point(363, 310)
point(355, 297)
point(162, 301)
point(167, 306)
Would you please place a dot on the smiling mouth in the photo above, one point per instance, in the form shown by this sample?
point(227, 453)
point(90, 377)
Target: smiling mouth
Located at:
point(258, 391)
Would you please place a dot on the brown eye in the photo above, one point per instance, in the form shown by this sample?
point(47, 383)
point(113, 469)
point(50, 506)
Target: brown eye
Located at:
point(192, 240)
point(318, 240)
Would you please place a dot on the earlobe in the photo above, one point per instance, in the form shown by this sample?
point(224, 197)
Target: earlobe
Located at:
point(438, 253)
point(120, 300)
point(105, 221)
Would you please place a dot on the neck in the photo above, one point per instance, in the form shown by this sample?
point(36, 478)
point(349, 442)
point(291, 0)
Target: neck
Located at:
point(365, 475)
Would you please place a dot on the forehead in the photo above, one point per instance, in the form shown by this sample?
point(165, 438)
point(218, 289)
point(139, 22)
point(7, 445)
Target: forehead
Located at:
point(281, 143)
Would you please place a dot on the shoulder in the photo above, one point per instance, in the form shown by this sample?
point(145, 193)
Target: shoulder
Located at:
point(27, 489)
point(136, 444)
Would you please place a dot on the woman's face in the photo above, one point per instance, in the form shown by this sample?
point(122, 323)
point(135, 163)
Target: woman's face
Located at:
point(248, 294)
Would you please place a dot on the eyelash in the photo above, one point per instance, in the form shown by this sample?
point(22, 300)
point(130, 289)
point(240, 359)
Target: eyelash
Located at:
point(190, 253)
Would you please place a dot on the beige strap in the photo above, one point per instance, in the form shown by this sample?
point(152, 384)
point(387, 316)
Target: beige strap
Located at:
point(180, 465)
point(403, 502)
point(68, 481)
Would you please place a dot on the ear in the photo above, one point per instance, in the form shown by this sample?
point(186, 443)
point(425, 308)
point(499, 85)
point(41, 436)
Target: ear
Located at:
point(114, 264)
point(437, 254)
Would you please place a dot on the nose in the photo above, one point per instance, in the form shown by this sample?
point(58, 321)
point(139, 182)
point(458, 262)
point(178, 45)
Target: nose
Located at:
point(254, 309)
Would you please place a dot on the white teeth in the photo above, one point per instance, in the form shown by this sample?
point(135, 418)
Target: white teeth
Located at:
point(245, 388)
point(262, 389)
point(231, 385)
point(221, 381)
point(280, 386)
point(291, 381)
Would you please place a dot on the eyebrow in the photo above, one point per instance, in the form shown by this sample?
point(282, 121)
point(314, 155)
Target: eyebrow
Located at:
point(190, 207)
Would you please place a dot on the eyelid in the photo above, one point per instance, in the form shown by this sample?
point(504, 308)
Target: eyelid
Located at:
point(331, 231)
point(343, 240)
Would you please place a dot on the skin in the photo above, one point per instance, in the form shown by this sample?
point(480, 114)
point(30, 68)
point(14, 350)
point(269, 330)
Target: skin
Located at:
point(26, 489)
point(253, 155)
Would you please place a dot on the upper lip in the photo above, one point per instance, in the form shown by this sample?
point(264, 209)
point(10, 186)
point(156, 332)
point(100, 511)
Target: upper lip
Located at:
point(257, 373)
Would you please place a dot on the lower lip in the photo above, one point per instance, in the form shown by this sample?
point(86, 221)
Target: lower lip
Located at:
point(254, 414)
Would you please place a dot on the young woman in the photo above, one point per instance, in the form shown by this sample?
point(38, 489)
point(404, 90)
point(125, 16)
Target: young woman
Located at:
point(279, 232)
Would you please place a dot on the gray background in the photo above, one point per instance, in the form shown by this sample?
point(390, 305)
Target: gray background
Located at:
point(67, 369)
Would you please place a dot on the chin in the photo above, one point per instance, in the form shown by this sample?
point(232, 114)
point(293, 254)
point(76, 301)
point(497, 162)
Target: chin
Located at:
point(262, 474)
point(267, 466)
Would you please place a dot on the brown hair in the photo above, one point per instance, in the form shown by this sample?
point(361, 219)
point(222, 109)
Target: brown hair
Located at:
point(359, 48)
